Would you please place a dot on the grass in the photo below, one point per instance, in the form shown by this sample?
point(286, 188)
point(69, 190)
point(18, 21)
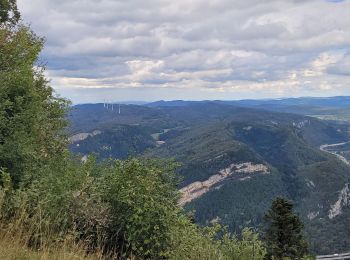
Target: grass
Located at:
point(13, 251)
point(9, 251)
point(14, 247)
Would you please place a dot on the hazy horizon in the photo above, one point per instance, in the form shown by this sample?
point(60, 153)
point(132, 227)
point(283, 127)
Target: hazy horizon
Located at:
point(140, 102)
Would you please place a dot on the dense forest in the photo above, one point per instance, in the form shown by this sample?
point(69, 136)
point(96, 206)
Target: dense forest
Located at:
point(209, 136)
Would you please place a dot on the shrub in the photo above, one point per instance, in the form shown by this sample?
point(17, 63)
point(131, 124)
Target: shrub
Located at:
point(123, 208)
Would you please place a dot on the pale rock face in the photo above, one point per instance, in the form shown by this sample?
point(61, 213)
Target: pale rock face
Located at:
point(313, 215)
point(301, 124)
point(310, 184)
point(248, 128)
point(78, 137)
point(343, 201)
point(239, 171)
point(82, 136)
point(84, 159)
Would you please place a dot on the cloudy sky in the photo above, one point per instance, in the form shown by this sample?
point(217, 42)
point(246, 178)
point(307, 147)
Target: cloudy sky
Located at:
point(193, 49)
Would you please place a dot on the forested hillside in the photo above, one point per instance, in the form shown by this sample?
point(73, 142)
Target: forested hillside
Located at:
point(208, 137)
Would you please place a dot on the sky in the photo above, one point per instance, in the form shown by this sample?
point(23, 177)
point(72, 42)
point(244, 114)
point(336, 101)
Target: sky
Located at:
point(123, 50)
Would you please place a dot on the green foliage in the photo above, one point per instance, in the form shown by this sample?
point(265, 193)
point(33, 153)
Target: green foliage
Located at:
point(143, 206)
point(8, 12)
point(124, 208)
point(193, 242)
point(248, 248)
point(31, 117)
point(284, 232)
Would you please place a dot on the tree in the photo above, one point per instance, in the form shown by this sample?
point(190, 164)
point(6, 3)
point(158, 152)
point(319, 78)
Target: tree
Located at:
point(9, 12)
point(31, 116)
point(284, 232)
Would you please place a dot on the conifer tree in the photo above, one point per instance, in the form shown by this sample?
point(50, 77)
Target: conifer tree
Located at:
point(284, 232)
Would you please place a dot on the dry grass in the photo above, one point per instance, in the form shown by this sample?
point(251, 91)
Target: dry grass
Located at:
point(13, 246)
point(14, 251)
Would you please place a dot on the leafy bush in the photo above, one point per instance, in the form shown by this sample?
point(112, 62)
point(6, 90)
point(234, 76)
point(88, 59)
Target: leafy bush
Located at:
point(123, 208)
point(31, 117)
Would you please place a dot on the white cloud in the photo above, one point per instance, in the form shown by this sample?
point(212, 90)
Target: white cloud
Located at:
point(219, 48)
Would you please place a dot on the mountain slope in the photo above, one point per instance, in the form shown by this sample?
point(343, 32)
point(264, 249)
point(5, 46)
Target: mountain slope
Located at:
point(208, 138)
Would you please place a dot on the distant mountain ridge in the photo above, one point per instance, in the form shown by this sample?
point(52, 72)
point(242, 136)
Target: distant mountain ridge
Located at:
point(337, 101)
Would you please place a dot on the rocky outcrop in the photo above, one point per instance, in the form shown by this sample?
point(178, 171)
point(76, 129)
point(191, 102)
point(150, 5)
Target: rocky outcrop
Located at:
point(344, 195)
point(82, 136)
point(310, 184)
point(234, 171)
point(343, 201)
point(313, 215)
point(159, 143)
point(301, 124)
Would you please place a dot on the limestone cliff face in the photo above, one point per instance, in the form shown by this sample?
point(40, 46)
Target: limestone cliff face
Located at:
point(313, 215)
point(240, 172)
point(343, 201)
point(82, 136)
point(302, 123)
